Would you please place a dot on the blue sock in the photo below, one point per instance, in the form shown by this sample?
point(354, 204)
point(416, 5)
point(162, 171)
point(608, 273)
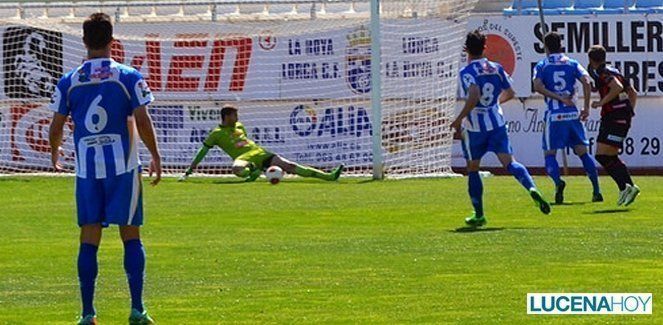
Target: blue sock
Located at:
point(134, 266)
point(87, 275)
point(552, 168)
point(590, 169)
point(522, 175)
point(475, 188)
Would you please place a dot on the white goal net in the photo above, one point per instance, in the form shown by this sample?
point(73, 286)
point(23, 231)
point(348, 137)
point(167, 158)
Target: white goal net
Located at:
point(299, 72)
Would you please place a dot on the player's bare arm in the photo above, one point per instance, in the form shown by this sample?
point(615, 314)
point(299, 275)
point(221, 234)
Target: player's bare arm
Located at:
point(632, 95)
point(146, 133)
point(541, 89)
point(55, 135)
point(507, 95)
point(587, 93)
point(473, 95)
point(616, 88)
point(202, 152)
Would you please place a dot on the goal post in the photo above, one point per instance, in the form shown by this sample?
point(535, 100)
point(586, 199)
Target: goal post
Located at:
point(376, 92)
point(369, 84)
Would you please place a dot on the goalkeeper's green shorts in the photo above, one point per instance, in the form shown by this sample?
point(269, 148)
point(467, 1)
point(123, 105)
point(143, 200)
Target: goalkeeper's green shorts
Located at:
point(260, 158)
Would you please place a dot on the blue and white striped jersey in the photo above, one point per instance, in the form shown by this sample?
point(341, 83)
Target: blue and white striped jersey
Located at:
point(100, 95)
point(491, 79)
point(559, 74)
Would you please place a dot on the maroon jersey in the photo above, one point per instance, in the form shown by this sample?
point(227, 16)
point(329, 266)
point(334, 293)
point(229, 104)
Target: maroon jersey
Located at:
point(620, 107)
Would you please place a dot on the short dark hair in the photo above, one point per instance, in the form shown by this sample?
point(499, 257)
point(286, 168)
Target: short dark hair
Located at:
point(97, 31)
point(475, 42)
point(553, 42)
point(227, 110)
point(596, 53)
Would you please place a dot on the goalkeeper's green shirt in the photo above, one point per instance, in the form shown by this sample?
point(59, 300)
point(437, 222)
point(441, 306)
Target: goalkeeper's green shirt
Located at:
point(231, 139)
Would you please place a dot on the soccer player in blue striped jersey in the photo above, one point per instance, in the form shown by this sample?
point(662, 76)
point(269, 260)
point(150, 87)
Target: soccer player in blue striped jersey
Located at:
point(555, 77)
point(107, 102)
point(482, 127)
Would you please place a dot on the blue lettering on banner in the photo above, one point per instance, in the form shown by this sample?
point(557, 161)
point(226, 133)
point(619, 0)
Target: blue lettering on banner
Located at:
point(267, 135)
point(340, 151)
point(418, 69)
point(198, 135)
point(311, 47)
point(416, 45)
point(198, 114)
point(295, 71)
point(310, 70)
point(338, 121)
point(167, 119)
point(303, 70)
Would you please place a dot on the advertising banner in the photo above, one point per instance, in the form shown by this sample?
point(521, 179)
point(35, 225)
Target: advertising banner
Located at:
point(223, 61)
point(634, 44)
point(305, 94)
point(307, 132)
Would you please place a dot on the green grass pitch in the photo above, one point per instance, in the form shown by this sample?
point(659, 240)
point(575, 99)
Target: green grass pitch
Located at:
point(357, 251)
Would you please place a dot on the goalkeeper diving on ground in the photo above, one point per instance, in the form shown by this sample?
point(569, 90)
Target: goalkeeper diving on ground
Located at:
point(250, 159)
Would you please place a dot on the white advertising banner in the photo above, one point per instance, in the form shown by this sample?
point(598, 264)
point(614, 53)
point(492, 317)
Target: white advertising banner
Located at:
point(306, 132)
point(634, 44)
point(320, 135)
point(222, 61)
point(323, 135)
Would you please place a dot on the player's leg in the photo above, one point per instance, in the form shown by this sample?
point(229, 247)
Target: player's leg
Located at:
point(590, 169)
point(245, 169)
point(525, 179)
point(124, 197)
point(249, 165)
point(516, 169)
point(305, 171)
point(552, 169)
point(475, 145)
point(610, 141)
point(552, 166)
point(88, 269)
point(89, 208)
point(500, 145)
point(607, 156)
point(242, 168)
point(475, 190)
point(554, 137)
point(134, 266)
point(578, 140)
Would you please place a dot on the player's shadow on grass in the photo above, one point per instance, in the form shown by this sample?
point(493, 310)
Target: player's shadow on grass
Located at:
point(608, 211)
point(368, 181)
point(228, 182)
point(15, 179)
point(475, 229)
point(569, 203)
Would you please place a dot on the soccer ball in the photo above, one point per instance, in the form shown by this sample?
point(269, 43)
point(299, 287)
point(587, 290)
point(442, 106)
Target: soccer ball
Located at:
point(274, 174)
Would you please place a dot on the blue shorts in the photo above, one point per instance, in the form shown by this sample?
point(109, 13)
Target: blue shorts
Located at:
point(563, 134)
point(112, 200)
point(476, 144)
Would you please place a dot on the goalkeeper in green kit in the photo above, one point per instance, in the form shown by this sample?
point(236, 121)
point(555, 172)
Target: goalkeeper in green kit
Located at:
point(249, 158)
